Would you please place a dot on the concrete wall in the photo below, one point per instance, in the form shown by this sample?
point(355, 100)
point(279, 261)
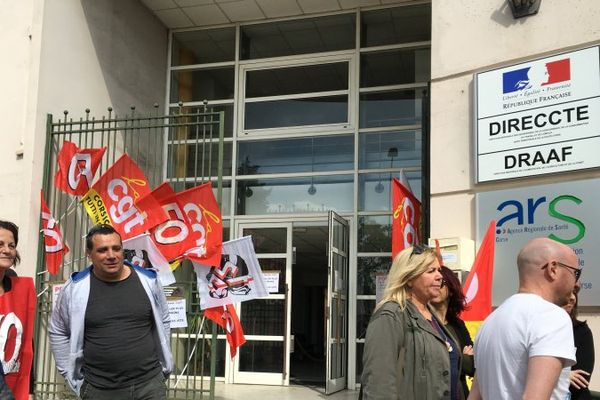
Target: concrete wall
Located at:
point(474, 36)
point(68, 55)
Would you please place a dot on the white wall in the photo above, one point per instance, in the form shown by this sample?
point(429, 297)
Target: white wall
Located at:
point(474, 36)
point(81, 54)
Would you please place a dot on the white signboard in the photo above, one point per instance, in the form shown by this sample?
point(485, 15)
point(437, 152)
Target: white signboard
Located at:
point(271, 281)
point(567, 212)
point(539, 117)
point(177, 313)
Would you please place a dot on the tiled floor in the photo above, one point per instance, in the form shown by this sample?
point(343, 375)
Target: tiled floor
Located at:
point(260, 392)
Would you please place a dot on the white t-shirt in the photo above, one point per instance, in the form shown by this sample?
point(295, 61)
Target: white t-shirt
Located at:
point(525, 325)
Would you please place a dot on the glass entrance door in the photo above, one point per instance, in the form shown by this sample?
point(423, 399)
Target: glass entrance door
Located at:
point(264, 359)
point(337, 304)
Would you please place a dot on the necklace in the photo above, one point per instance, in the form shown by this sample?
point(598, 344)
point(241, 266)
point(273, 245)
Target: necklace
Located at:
point(441, 332)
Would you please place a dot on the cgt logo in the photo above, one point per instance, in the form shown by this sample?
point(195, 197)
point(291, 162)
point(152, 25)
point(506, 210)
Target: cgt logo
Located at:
point(524, 213)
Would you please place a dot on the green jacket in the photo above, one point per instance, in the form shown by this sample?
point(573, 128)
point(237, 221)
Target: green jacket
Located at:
point(404, 357)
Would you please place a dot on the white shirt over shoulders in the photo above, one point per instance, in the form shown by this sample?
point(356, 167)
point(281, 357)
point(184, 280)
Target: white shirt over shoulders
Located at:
point(524, 326)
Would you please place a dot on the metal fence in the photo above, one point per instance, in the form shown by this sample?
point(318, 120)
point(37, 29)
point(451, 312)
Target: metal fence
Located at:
point(165, 147)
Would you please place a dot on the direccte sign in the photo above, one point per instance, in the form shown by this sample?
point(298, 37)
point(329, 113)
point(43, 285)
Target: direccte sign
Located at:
point(539, 117)
point(565, 212)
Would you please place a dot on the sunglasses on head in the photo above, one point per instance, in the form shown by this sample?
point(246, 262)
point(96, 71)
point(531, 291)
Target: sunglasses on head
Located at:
point(419, 249)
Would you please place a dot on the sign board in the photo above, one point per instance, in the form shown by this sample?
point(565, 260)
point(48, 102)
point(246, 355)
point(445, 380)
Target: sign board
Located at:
point(567, 212)
point(539, 117)
point(271, 281)
point(177, 313)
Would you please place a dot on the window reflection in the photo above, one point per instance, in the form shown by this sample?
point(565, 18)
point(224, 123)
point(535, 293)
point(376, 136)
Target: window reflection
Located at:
point(203, 46)
point(390, 150)
point(402, 107)
point(205, 84)
point(375, 190)
point(396, 25)
point(375, 234)
point(294, 195)
point(368, 269)
point(394, 67)
point(323, 153)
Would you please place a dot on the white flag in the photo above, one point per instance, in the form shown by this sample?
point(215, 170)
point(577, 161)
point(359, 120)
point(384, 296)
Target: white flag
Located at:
point(237, 279)
point(141, 251)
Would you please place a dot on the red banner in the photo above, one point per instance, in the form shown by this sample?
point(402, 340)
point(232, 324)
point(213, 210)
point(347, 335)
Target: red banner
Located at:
point(54, 246)
point(76, 168)
point(202, 210)
point(406, 221)
point(17, 310)
point(122, 198)
point(172, 238)
point(226, 317)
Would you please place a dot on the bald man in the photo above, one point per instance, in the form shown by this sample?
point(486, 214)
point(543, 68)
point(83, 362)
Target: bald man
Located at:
point(525, 348)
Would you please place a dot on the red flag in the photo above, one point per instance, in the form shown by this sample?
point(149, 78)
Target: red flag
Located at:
point(54, 246)
point(122, 198)
point(76, 168)
point(17, 310)
point(226, 317)
point(406, 222)
point(173, 237)
point(478, 286)
point(204, 215)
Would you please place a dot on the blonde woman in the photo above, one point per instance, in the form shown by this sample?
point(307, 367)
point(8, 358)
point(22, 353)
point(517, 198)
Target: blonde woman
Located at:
point(408, 353)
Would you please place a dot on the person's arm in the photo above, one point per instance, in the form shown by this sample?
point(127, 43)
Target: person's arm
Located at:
point(475, 394)
point(163, 308)
point(60, 334)
point(380, 358)
point(542, 375)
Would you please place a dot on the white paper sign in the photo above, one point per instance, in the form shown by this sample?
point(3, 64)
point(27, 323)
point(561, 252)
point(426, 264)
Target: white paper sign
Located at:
point(271, 281)
point(177, 313)
point(55, 292)
point(380, 280)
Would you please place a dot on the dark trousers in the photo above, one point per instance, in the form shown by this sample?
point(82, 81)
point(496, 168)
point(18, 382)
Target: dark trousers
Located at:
point(153, 389)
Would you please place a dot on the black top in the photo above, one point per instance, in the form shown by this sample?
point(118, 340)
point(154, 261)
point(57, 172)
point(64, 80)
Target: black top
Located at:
point(584, 341)
point(119, 348)
point(460, 331)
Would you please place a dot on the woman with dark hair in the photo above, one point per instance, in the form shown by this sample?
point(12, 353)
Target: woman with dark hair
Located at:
point(17, 297)
point(581, 372)
point(448, 306)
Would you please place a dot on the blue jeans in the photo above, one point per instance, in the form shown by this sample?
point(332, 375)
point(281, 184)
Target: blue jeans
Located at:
point(153, 389)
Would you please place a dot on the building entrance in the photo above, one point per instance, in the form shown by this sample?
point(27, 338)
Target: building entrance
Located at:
point(298, 334)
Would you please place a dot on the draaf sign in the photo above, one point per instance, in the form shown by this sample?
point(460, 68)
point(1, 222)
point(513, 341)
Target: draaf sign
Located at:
point(566, 212)
point(539, 117)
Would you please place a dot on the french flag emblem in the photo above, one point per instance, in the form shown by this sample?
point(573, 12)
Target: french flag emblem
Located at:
point(536, 76)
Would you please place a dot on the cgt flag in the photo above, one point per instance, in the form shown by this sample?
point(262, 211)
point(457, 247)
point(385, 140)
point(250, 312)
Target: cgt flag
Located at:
point(204, 216)
point(76, 168)
point(54, 246)
point(173, 237)
point(406, 221)
point(226, 317)
point(122, 198)
point(478, 286)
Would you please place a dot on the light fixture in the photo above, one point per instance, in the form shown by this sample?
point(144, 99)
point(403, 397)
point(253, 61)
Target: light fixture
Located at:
point(312, 189)
point(379, 188)
point(249, 192)
point(524, 8)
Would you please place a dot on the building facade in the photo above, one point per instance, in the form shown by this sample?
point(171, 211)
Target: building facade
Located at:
point(324, 102)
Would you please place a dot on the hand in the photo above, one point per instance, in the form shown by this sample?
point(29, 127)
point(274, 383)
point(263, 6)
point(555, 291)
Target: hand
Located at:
point(577, 378)
point(468, 350)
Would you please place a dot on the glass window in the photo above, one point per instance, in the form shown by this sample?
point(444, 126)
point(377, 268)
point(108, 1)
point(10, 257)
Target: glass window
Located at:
point(359, 363)
point(367, 270)
point(268, 240)
point(396, 25)
point(294, 195)
point(374, 190)
point(198, 160)
point(202, 84)
point(394, 67)
point(261, 356)
point(375, 233)
point(390, 150)
point(322, 153)
point(364, 310)
point(195, 115)
point(296, 112)
point(263, 317)
point(294, 80)
point(299, 36)
point(398, 107)
point(203, 46)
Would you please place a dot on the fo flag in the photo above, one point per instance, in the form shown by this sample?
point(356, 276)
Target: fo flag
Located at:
point(54, 246)
point(204, 216)
point(122, 198)
point(142, 251)
point(237, 278)
point(17, 314)
point(478, 286)
point(173, 237)
point(226, 317)
point(76, 168)
point(406, 222)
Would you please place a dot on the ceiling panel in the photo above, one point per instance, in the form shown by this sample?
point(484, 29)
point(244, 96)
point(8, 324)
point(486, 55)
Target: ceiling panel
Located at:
point(206, 15)
point(279, 8)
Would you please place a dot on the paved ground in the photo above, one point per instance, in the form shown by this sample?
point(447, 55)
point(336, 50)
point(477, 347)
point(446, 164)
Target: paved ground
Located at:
point(260, 392)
